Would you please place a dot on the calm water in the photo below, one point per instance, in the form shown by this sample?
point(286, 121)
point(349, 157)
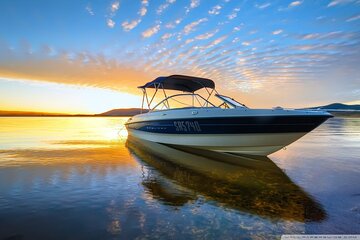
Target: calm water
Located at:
point(81, 178)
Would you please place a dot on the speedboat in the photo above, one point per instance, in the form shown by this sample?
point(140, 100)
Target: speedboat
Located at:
point(192, 119)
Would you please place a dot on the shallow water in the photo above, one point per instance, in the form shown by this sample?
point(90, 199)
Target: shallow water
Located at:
point(81, 178)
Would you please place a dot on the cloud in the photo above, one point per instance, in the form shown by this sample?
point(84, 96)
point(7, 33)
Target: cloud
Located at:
point(174, 23)
point(252, 68)
point(164, 6)
point(110, 23)
point(215, 10)
point(194, 3)
point(232, 16)
point(89, 10)
point(276, 32)
point(75, 68)
point(233, 13)
point(189, 41)
point(218, 40)
point(238, 28)
point(166, 36)
point(115, 6)
point(151, 31)
point(142, 11)
point(252, 32)
point(203, 37)
point(309, 36)
point(353, 18)
point(291, 6)
point(235, 40)
point(295, 4)
point(335, 35)
point(263, 6)
point(316, 47)
point(206, 35)
point(191, 26)
point(339, 2)
point(127, 26)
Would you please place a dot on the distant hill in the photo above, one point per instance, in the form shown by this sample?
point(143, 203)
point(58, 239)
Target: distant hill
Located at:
point(341, 110)
point(122, 112)
point(338, 107)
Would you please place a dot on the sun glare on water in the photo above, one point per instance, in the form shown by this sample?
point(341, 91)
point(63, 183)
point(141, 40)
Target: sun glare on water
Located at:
point(62, 132)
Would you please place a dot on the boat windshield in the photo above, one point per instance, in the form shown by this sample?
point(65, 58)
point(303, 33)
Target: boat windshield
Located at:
point(185, 100)
point(229, 102)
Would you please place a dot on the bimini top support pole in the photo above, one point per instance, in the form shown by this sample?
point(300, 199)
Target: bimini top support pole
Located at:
point(142, 102)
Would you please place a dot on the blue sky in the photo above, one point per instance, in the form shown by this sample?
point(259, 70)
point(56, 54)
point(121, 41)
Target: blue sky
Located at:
point(289, 53)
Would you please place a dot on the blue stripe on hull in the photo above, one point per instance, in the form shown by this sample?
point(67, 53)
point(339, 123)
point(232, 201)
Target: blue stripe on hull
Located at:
point(231, 125)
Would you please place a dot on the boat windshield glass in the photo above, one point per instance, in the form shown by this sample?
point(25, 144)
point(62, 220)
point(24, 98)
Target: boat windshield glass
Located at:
point(230, 102)
point(186, 100)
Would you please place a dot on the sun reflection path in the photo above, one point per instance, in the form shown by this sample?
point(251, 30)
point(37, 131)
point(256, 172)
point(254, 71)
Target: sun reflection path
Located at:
point(56, 140)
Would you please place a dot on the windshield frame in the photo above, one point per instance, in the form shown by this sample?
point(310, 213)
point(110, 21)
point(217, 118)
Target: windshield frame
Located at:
point(195, 95)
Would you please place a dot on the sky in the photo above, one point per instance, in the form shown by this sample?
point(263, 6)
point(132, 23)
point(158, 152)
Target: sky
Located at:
point(89, 56)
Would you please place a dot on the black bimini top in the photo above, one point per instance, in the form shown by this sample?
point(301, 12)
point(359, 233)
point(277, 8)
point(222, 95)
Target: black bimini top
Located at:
point(180, 83)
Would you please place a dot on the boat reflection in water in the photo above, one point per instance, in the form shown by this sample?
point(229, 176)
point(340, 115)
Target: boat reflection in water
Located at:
point(177, 176)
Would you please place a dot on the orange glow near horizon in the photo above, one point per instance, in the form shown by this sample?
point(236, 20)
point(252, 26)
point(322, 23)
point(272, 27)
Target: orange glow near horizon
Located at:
point(32, 96)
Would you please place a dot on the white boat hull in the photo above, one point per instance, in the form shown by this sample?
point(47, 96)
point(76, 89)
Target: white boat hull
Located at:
point(261, 144)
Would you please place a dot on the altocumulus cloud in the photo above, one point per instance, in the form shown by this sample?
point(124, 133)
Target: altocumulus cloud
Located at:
point(151, 31)
point(295, 4)
point(75, 68)
point(185, 37)
point(191, 26)
point(129, 25)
